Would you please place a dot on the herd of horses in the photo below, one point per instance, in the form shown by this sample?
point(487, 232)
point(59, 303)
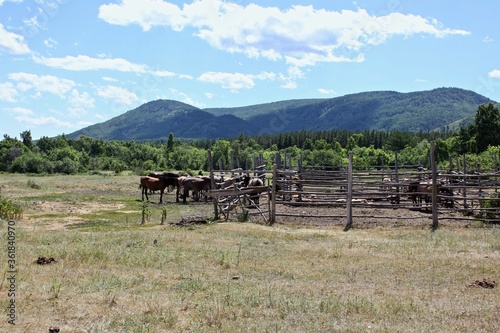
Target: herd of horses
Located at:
point(198, 186)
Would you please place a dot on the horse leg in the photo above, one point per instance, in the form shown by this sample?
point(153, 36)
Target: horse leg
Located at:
point(161, 195)
point(184, 195)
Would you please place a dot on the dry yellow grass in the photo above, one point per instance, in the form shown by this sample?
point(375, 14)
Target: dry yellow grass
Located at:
point(111, 275)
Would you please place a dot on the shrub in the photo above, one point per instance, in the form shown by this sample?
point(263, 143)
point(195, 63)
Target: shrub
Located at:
point(10, 210)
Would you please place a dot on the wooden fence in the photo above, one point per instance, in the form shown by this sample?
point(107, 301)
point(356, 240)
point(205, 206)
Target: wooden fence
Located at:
point(452, 195)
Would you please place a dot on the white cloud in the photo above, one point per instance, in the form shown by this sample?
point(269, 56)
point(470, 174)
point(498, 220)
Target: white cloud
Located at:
point(146, 13)
point(163, 73)
point(109, 79)
point(235, 81)
point(118, 95)
point(294, 73)
point(50, 43)
point(20, 111)
point(494, 73)
point(232, 81)
point(324, 91)
point(41, 121)
point(79, 103)
point(15, 1)
point(302, 35)
point(12, 43)
point(8, 92)
point(86, 63)
point(265, 76)
point(488, 39)
point(42, 83)
point(183, 97)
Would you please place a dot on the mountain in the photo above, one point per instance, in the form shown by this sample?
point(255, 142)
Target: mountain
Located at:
point(157, 119)
point(376, 110)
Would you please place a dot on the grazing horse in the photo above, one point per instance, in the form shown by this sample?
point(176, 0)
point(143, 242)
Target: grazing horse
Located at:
point(153, 184)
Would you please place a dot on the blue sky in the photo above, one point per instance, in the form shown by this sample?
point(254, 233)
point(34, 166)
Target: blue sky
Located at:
point(68, 64)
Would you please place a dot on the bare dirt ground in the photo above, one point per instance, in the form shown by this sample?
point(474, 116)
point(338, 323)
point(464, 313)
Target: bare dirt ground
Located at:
point(72, 213)
point(368, 216)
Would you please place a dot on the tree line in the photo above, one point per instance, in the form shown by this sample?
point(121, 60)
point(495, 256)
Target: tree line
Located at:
point(479, 142)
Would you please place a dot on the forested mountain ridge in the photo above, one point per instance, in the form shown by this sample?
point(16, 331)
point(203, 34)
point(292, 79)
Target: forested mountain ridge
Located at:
point(377, 110)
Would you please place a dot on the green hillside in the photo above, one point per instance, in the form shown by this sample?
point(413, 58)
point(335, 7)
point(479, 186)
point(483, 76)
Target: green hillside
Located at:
point(378, 110)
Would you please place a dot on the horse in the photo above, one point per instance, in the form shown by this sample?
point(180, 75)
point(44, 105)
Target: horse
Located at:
point(249, 182)
point(154, 184)
point(194, 184)
point(225, 183)
point(423, 190)
point(418, 191)
point(167, 175)
point(446, 198)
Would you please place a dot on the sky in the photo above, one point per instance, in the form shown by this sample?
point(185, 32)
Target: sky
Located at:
point(68, 64)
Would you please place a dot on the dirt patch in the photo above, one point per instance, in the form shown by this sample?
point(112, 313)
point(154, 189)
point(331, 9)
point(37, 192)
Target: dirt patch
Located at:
point(54, 215)
point(364, 217)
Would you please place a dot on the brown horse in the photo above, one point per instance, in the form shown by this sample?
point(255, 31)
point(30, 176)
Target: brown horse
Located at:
point(250, 182)
point(153, 184)
point(195, 184)
point(159, 183)
point(170, 177)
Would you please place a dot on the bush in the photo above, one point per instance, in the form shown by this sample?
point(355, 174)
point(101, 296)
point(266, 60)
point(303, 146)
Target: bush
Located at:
point(34, 185)
point(30, 163)
point(10, 210)
point(66, 166)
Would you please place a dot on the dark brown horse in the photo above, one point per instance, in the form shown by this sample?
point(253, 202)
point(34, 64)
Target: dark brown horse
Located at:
point(250, 182)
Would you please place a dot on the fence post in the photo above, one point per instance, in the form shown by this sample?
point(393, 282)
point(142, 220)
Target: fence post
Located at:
point(273, 200)
point(464, 190)
point(435, 222)
point(212, 184)
point(349, 195)
point(396, 177)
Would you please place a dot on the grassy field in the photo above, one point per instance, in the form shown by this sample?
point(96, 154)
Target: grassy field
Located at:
point(113, 274)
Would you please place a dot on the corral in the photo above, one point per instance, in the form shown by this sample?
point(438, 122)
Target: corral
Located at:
point(397, 194)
